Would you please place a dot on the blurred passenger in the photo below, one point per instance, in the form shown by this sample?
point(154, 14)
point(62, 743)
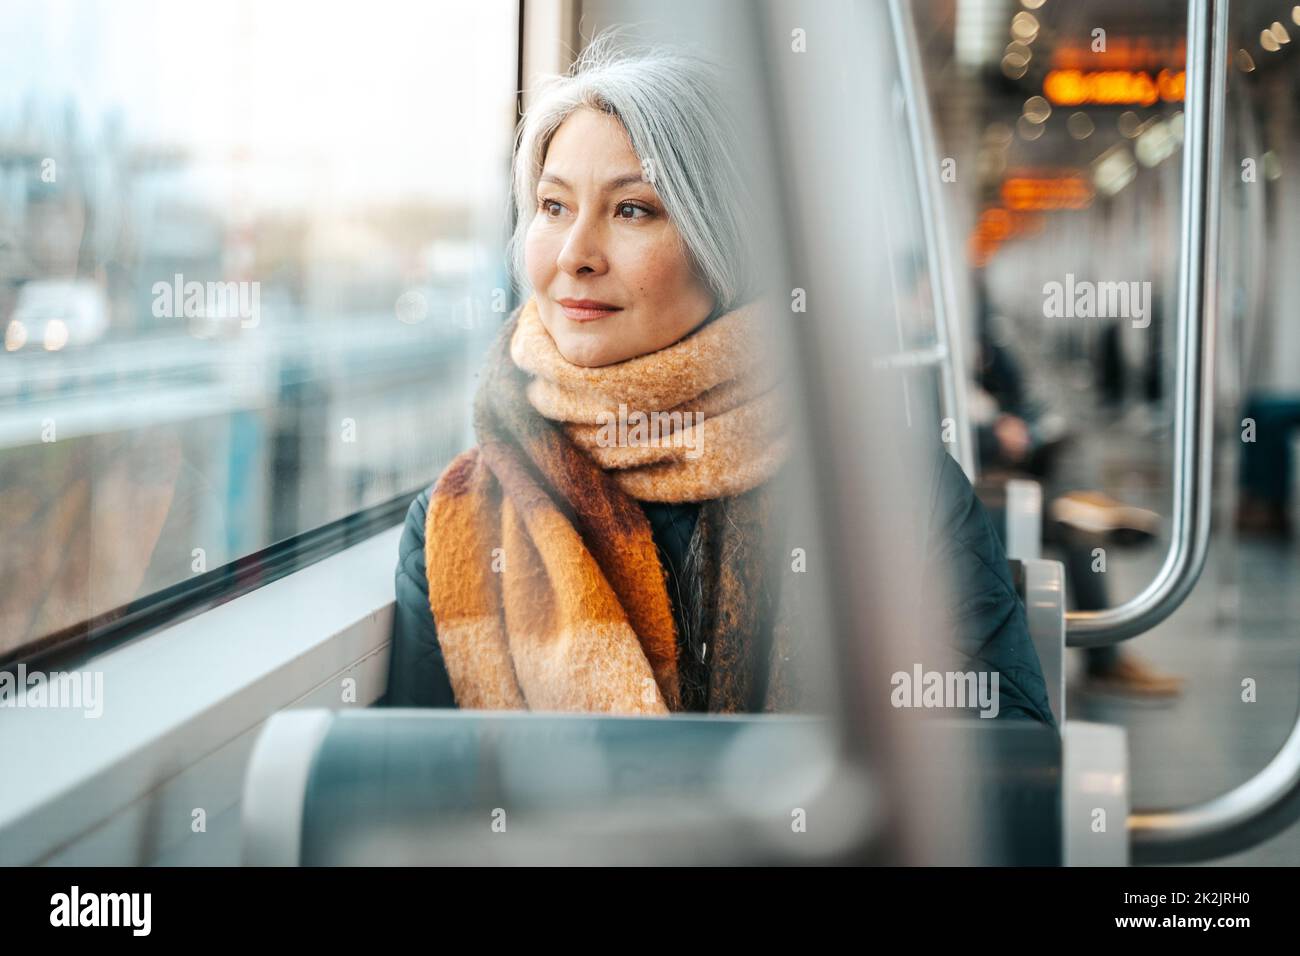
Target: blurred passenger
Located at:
point(1266, 470)
point(559, 566)
point(1018, 438)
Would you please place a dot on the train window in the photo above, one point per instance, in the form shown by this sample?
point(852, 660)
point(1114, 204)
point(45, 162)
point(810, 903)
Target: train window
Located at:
point(248, 253)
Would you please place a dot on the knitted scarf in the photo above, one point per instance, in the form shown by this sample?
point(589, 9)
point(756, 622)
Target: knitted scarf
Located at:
point(545, 582)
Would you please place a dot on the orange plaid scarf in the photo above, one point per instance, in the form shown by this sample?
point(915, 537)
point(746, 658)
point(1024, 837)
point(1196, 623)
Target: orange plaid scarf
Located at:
point(544, 578)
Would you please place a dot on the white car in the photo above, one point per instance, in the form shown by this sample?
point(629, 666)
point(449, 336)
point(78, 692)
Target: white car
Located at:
point(55, 313)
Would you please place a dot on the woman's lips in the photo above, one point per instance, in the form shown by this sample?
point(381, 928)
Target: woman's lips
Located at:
point(587, 310)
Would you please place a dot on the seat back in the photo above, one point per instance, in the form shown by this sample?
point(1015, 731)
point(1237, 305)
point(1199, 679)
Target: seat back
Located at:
point(1015, 506)
point(1041, 586)
point(434, 786)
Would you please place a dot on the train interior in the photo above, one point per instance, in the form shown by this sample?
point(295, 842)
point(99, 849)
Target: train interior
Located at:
point(1049, 238)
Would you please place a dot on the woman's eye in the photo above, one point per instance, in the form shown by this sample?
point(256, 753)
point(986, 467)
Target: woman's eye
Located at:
point(549, 207)
point(629, 210)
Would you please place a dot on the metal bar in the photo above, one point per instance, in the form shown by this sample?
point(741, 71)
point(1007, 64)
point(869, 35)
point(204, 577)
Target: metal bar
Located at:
point(1207, 39)
point(912, 358)
point(1268, 802)
point(952, 373)
point(1262, 807)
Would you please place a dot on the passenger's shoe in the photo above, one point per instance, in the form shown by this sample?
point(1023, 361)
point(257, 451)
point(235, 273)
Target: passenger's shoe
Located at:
point(1131, 676)
point(1258, 517)
point(1098, 513)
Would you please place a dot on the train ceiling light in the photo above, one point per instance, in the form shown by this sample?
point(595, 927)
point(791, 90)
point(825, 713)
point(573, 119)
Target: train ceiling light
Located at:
point(1030, 190)
point(1113, 87)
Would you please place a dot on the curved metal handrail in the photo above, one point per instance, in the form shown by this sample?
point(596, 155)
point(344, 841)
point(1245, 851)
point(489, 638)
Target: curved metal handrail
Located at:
point(1269, 801)
point(1262, 807)
point(1194, 384)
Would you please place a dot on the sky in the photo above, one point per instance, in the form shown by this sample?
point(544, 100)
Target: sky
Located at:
point(370, 99)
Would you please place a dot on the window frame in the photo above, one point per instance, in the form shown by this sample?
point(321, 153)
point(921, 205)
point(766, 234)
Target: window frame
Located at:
point(76, 645)
point(178, 726)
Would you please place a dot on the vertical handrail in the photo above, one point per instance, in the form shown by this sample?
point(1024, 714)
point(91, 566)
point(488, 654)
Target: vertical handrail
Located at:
point(952, 370)
point(1207, 37)
point(1269, 801)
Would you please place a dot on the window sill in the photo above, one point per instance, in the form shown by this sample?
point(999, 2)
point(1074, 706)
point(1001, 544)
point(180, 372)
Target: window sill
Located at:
point(181, 710)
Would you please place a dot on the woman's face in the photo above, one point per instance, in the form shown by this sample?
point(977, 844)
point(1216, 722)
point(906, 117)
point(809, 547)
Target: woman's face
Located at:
point(609, 271)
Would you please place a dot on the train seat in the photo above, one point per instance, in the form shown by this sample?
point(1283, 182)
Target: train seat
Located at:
point(428, 786)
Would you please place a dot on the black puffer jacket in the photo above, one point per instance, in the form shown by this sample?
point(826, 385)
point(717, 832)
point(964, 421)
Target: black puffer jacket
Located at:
point(988, 621)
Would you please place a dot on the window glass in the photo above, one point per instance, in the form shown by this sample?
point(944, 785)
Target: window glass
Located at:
point(249, 255)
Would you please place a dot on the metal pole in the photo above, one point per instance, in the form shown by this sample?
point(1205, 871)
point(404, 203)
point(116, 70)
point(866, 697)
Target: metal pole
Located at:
point(1207, 37)
point(952, 373)
point(1268, 802)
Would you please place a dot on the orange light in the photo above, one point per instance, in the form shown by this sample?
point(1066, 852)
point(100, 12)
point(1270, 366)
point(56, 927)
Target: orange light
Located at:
point(1172, 85)
point(1112, 87)
point(1043, 193)
point(994, 227)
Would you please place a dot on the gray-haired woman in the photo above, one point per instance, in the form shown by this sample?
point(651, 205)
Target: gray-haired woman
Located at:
point(608, 545)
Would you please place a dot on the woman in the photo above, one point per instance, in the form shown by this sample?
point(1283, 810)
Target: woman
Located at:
point(577, 559)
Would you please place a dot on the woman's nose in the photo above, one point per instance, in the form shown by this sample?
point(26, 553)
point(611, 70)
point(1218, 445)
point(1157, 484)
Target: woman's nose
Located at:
point(583, 251)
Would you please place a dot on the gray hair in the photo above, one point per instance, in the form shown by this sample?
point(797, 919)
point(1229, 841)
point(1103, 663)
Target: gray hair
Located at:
point(669, 102)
